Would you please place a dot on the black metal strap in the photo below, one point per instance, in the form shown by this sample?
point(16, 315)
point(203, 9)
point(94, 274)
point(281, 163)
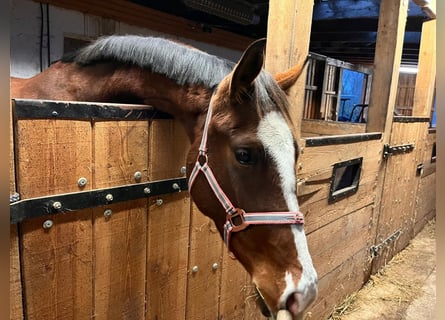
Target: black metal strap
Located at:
point(342, 139)
point(68, 202)
point(49, 109)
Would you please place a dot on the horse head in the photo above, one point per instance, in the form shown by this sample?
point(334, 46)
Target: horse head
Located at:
point(242, 175)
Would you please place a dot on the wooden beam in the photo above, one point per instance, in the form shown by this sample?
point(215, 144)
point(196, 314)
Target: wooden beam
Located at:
point(135, 14)
point(288, 34)
point(426, 75)
point(388, 53)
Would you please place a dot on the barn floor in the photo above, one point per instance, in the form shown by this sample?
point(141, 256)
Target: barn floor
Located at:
point(404, 290)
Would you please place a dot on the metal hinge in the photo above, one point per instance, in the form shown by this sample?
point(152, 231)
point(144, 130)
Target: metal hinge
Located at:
point(375, 250)
point(402, 148)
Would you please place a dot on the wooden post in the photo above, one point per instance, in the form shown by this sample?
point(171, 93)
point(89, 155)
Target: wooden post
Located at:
point(388, 53)
point(288, 35)
point(426, 75)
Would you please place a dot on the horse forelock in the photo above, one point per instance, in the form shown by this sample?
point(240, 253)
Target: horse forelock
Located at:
point(181, 63)
point(270, 97)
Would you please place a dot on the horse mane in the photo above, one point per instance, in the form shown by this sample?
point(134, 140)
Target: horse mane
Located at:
point(181, 63)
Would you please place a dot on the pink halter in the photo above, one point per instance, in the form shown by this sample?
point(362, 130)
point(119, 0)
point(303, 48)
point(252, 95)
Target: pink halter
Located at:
point(244, 218)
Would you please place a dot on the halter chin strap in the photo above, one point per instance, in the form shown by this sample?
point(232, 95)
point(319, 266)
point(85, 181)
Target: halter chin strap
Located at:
point(236, 219)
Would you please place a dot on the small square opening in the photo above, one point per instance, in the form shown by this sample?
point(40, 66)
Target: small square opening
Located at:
point(345, 179)
point(433, 153)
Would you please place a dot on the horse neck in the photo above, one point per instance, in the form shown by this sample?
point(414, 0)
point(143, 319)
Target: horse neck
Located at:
point(119, 84)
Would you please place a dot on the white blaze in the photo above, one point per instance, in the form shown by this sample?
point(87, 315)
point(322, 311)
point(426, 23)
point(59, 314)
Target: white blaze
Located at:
point(277, 138)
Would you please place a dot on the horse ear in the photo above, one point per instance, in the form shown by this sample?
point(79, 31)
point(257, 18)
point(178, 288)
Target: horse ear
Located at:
point(286, 79)
point(247, 69)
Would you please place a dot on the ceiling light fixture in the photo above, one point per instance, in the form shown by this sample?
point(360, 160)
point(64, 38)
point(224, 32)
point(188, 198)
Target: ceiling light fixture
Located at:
point(237, 11)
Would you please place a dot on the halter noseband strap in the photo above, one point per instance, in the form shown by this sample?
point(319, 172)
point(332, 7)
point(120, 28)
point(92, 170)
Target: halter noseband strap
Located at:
point(236, 219)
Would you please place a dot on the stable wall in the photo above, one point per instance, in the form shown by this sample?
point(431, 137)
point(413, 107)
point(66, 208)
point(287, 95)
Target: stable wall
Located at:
point(26, 20)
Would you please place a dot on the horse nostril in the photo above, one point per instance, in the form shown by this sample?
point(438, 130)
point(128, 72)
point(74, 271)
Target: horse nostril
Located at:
point(292, 304)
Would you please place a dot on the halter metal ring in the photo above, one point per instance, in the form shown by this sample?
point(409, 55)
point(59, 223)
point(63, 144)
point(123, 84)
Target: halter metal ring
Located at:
point(237, 220)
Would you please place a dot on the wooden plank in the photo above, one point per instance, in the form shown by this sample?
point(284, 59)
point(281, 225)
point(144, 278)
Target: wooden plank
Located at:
point(57, 267)
point(426, 75)
point(388, 53)
point(120, 255)
point(120, 240)
point(51, 156)
point(317, 160)
point(333, 244)
point(206, 248)
point(56, 262)
point(405, 94)
point(168, 225)
point(342, 281)
point(310, 128)
point(425, 202)
point(15, 285)
point(288, 35)
point(233, 281)
point(167, 261)
point(399, 191)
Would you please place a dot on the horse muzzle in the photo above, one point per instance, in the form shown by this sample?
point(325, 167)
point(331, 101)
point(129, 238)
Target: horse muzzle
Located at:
point(293, 307)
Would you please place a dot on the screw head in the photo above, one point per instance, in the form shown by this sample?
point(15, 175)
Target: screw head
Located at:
point(82, 182)
point(147, 190)
point(195, 269)
point(137, 175)
point(183, 170)
point(109, 197)
point(47, 224)
point(57, 205)
point(54, 113)
point(159, 202)
point(176, 186)
point(215, 266)
point(108, 213)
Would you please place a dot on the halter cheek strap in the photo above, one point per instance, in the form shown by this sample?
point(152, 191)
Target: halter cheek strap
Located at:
point(236, 219)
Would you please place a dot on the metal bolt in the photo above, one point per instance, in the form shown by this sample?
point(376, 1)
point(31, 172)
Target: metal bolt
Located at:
point(159, 202)
point(183, 170)
point(176, 186)
point(147, 190)
point(215, 266)
point(137, 175)
point(48, 224)
point(82, 182)
point(195, 269)
point(108, 213)
point(109, 197)
point(54, 113)
point(57, 205)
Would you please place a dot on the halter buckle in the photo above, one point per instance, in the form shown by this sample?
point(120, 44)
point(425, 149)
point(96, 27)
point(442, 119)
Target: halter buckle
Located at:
point(237, 220)
point(202, 158)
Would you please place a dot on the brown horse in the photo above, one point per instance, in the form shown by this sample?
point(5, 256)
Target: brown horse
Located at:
point(243, 150)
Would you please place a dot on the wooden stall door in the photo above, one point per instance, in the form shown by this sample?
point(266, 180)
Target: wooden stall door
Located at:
point(399, 193)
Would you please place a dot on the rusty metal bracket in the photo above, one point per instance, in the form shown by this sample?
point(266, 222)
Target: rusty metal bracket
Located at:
point(375, 250)
point(68, 202)
point(398, 149)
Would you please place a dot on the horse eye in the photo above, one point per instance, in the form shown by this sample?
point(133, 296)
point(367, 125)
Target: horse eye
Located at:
point(245, 156)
